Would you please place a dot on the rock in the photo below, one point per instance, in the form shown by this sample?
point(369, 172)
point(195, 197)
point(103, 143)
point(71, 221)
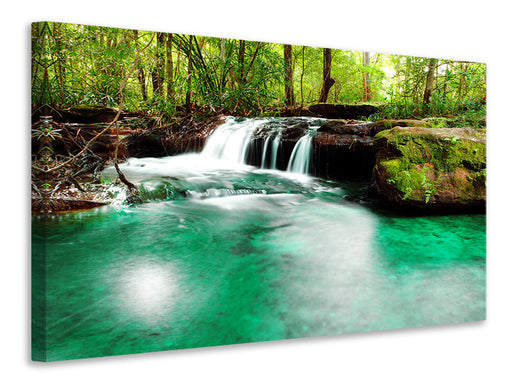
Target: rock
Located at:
point(438, 122)
point(144, 144)
point(343, 111)
point(333, 126)
point(352, 127)
point(295, 132)
point(90, 114)
point(181, 137)
point(343, 156)
point(344, 149)
point(64, 204)
point(388, 124)
point(431, 168)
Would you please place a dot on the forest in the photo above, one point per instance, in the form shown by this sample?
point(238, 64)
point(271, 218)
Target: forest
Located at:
point(172, 74)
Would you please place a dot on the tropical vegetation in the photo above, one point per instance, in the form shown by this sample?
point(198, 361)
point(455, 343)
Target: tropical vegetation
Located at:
point(172, 74)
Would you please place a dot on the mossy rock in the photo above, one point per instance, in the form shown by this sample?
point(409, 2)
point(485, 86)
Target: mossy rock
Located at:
point(431, 168)
point(438, 122)
point(388, 124)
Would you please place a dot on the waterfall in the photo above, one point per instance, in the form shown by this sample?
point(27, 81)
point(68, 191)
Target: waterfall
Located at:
point(230, 140)
point(265, 146)
point(301, 154)
point(275, 148)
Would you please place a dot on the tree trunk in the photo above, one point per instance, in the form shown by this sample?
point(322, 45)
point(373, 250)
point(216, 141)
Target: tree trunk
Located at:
point(222, 49)
point(188, 104)
point(366, 77)
point(446, 77)
point(248, 68)
point(288, 76)
point(302, 78)
point(141, 76)
point(35, 49)
point(462, 89)
point(241, 62)
point(429, 85)
point(328, 81)
point(157, 77)
point(60, 67)
point(168, 68)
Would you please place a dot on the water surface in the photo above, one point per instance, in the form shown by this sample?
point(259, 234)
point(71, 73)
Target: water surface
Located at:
point(249, 256)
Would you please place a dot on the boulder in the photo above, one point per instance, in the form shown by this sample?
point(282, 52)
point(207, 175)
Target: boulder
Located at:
point(352, 127)
point(90, 114)
point(343, 156)
point(343, 111)
point(388, 124)
point(431, 168)
point(295, 132)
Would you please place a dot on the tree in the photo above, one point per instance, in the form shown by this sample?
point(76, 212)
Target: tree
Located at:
point(328, 81)
point(57, 30)
point(141, 76)
point(288, 76)
point(169, 70)
point(157, 74)
point(429, 83)
point(302, 77)
point(188, 103)
point(366, 77)
point(241, 62)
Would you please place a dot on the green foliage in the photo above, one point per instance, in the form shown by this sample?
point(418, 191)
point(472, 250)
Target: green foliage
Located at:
point(77, 64)
point(459, 91)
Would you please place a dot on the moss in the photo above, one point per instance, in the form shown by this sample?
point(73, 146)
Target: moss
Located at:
point(437, 122)
point(388, 124)
point(414, 183)
point(445, 153)
point(426, 165)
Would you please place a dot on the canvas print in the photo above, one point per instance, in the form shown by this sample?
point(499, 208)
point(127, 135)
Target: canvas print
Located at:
point(193, 191)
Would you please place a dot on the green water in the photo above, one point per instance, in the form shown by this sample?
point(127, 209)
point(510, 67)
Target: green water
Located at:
point(279, 259)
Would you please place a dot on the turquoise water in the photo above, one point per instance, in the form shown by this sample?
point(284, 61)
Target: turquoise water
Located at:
point(223, 256)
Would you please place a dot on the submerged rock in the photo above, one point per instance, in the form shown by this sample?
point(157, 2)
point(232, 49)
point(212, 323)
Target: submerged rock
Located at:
point(431, 168)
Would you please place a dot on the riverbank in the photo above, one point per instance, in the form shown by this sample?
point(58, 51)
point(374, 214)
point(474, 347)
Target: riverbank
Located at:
point(339, 149)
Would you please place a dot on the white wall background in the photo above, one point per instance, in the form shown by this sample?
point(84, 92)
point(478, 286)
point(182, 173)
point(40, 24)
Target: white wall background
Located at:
point(463, 30)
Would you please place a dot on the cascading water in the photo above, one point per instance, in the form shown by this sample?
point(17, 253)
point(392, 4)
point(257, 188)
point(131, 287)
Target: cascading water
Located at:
point(265, 146)
point(230, 140)
point(275, 149)
point(269, 158)
point(299, 160)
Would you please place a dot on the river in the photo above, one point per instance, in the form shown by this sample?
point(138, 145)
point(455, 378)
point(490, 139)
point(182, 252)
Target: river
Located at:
point(224, 253)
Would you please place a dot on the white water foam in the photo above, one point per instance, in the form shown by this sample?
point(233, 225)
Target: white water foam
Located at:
point(230, 141)
point(301, 154)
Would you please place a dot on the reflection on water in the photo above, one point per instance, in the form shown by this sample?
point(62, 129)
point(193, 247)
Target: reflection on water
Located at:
point(149, 290)
point(222, 256)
